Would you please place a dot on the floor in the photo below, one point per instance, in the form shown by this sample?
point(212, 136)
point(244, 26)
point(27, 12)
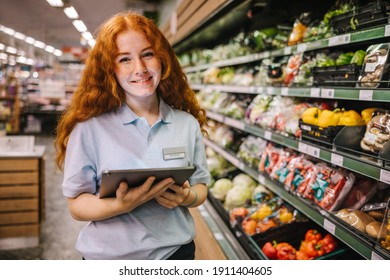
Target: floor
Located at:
point(59, 230)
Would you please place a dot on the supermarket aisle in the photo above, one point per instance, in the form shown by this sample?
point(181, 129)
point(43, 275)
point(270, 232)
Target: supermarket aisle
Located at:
point(60, 230)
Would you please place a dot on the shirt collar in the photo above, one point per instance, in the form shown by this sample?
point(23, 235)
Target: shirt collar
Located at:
point(128, 116)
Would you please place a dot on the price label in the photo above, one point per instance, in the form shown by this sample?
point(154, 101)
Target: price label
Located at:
point(375, 256)
point(261, 179)
point(329, 226)
point(315, 92)
point(313, 151)
point(339, 40)
point(301, 48)
point(370, 67)
point(387, 30)
point(284, 91)
point(268, 135)
point(365, 94)
point(327, 93)
point(270, 90)
point(302, 147)
point(337, 159)
point(287, 50)
point(384, 176)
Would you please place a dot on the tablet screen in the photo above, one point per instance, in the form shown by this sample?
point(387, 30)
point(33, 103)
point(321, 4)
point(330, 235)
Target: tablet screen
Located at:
point(136, 177)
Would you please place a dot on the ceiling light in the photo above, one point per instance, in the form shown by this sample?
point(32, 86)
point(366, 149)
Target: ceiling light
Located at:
point(55, 3)
point(3, 56)
point(71, 12)
point(8, 31)
point(2, 47)
point(11, 50)
point(49, 49)
point(57, 53)
point(30, 40)
point(91, 43)
point(80, 26)
point(87, 35)
point(39, 44)
point(19, 36)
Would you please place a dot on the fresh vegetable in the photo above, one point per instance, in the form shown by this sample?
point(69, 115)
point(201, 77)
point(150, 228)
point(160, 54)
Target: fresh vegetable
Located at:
point(262, 212)
point(358, 57)
point(328, 243)
point(311, 115)
point(269, 250)
point(313, 235)
point(285, 251)
point(311, 249)
point(249, 226)
point(329, 118)
point(237, 196)
point(367, 114)
point(244, 180)
point(344, 58)
point(221, 187)
point(351, 118)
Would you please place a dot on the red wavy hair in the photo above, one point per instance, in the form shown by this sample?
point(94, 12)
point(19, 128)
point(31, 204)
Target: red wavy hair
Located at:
point(99, 92)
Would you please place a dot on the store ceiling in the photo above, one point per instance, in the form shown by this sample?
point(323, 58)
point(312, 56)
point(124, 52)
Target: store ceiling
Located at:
point(37, 19)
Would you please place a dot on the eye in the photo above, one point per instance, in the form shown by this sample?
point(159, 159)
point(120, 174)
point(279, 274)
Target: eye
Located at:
point(124, 59)
point(148, 54)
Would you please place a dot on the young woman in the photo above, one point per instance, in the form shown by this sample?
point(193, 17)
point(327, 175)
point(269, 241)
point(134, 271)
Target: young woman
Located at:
point(133, 104)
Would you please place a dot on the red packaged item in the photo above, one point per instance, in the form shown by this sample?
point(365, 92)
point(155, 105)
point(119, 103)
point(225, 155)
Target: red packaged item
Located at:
point(279, 171)
point(298, 168)
point(269, 158)
point(361, 192)
point(329, 186)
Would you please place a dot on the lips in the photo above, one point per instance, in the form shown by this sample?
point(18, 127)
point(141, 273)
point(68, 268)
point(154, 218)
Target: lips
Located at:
point(143, 80)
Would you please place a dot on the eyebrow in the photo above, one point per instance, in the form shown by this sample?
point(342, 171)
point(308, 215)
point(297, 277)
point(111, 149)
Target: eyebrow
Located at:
point(127, 53)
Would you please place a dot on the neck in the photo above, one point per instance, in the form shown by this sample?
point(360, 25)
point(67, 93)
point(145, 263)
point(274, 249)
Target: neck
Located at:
point(148, 108)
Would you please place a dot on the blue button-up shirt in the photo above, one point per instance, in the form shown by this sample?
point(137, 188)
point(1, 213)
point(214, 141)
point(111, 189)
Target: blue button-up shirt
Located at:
point(122, 140)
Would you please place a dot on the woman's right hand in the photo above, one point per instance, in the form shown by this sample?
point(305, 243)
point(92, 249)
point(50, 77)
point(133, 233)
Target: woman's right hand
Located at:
point(130, 198)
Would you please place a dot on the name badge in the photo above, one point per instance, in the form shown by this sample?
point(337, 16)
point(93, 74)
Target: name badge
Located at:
point(174, 153)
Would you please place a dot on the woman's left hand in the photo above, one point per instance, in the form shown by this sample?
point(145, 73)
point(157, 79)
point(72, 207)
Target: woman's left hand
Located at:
point(174, 196)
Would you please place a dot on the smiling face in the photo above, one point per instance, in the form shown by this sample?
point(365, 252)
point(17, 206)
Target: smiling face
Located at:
point(137, 68)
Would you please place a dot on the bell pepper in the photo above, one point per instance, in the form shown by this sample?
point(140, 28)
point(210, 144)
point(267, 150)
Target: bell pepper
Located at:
point(367, 114)
point(249, 226)
point(351, 118)
point(329, 118)
point(269, 250)
point(313, 235)
point(328, 243)
point(311, 249)
point(311, 115)
point(285, 251)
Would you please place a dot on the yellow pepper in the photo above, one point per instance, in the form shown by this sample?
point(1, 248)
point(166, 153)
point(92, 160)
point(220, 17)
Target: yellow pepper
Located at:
point(367, 114)
point(329, 118)
point(311, 115)
point(351, 118)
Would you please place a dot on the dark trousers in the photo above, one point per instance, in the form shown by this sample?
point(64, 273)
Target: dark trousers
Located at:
point(185, 252)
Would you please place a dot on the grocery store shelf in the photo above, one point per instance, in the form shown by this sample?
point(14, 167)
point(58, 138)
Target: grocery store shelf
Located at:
point(362, 166)
point(366, 248)
point(362, 94)
point(339, 40)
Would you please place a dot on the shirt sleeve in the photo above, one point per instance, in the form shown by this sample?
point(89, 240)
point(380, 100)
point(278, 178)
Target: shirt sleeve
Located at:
point(202, 174)
point(79, 168)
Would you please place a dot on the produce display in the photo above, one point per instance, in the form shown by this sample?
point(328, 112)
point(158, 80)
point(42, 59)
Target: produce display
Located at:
point(375, 67)
point(314, 245)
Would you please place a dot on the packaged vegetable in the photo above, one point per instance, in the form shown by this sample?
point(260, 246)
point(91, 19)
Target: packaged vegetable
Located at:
point(375, 68)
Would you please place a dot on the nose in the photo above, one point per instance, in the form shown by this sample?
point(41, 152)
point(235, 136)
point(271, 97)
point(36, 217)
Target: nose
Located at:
point(140, 67)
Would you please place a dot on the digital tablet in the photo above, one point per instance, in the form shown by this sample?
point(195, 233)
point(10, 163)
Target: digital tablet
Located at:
point(136, 177)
